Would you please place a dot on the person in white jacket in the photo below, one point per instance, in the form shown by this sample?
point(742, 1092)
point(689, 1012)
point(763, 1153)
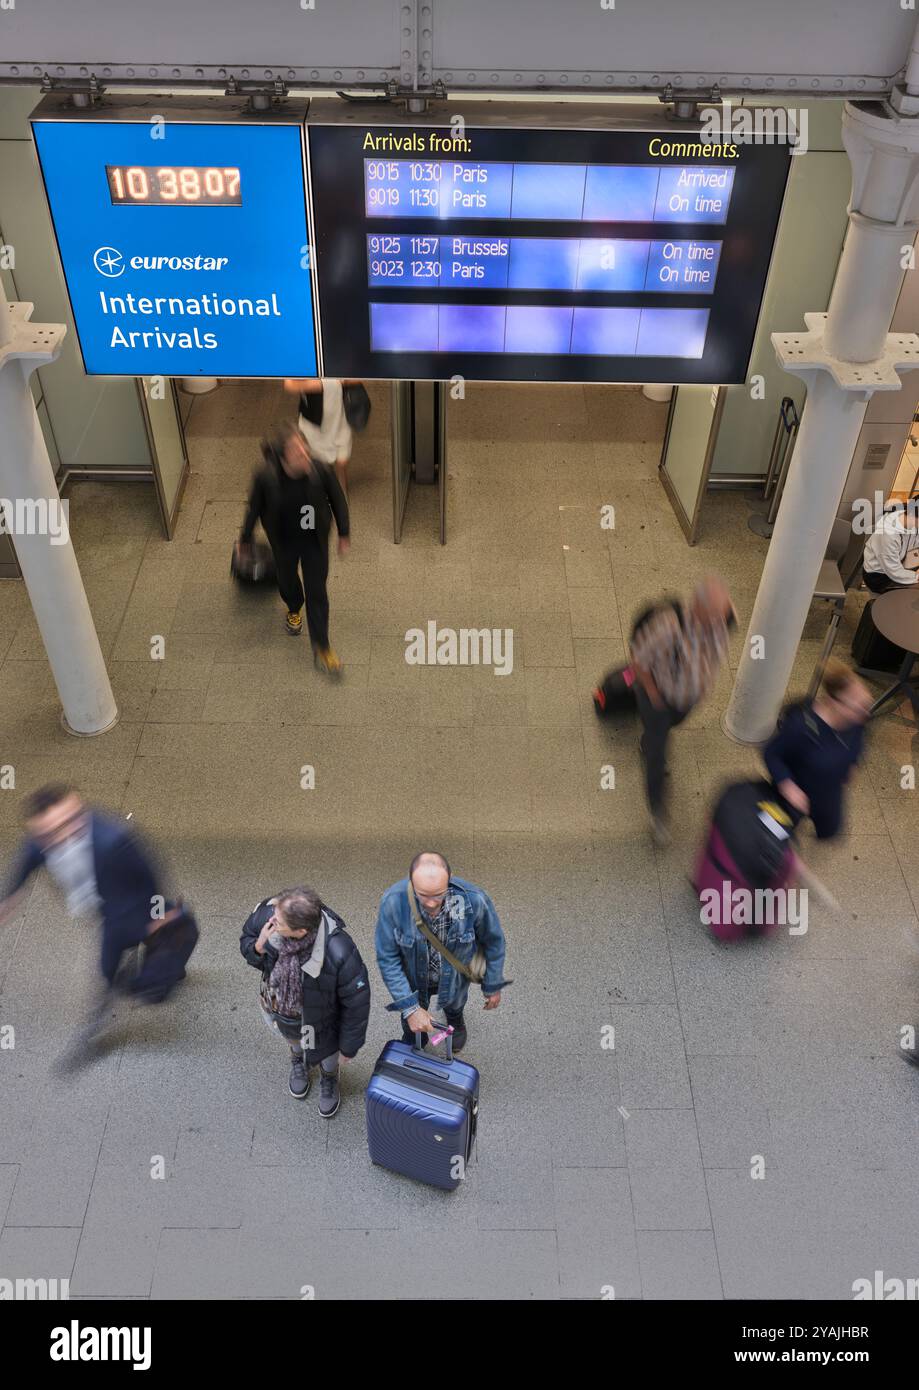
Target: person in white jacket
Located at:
point(893, 538)
point(322, 420)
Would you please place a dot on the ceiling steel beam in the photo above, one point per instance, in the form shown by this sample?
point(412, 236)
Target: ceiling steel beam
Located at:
point(417, 40)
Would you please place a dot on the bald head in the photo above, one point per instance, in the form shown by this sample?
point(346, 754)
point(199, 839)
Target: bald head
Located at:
point(430, 875)
point(711, 600)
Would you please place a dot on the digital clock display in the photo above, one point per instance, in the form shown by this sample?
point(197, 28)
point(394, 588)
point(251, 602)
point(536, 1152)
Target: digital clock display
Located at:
point(187, 186)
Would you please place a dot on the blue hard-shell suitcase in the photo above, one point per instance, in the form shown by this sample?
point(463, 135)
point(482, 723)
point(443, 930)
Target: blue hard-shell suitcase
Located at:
point(421, 1114)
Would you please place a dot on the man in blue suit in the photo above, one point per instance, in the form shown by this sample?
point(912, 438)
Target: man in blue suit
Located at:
point(99, 867)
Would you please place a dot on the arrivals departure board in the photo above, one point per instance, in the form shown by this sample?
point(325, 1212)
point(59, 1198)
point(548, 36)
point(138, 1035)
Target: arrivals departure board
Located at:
point(542, 254)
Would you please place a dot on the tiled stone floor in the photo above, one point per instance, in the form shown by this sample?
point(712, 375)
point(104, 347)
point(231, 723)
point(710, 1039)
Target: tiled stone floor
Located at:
point(628, 1167)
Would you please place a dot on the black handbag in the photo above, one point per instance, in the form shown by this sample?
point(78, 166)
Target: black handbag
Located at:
point(254, 565)
point(357, 406)
point(166, 953)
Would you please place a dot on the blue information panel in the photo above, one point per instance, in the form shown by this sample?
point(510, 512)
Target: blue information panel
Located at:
point(460, 188)
point(542, 263)
point(183, 244)
point(540, 253)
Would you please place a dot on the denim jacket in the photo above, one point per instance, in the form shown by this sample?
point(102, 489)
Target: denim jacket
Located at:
point(402, 951)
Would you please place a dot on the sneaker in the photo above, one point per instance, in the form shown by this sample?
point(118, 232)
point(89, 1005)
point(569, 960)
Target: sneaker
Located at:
point(329, 1094)
point(329, 661)
point(295, 624)
point(300, 1080)
point(660, 832)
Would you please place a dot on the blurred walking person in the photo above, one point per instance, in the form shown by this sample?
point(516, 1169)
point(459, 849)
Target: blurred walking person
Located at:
point(103, 870)
point(323, 419)
point(676, 652)
point(296, 497)
point(817, 745)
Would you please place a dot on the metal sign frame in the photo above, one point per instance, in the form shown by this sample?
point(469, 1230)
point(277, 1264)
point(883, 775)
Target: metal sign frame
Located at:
point(183, 110)
point(528, 120)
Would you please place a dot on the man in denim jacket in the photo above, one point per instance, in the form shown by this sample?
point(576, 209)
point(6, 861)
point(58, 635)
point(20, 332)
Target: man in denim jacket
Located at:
point(461, 916)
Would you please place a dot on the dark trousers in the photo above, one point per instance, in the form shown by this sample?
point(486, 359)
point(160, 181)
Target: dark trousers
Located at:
point(880, 583)
point(656, 726)
point(311, 556)
point(115, 942)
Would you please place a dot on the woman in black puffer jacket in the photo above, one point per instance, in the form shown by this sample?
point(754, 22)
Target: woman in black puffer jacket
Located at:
point(314, 988)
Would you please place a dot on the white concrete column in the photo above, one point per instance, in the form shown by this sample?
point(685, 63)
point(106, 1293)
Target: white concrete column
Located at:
point(45, 552)
point(844, 356)
point(198, 385)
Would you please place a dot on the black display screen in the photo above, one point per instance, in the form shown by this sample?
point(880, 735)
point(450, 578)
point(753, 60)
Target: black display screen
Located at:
point(540, 254)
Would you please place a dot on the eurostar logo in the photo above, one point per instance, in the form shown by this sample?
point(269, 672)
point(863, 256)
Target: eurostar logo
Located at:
point(108, 261)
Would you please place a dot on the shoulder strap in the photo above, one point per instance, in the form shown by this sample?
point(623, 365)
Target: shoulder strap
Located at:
point(810, 723)
point(311, 406)
point(432, 939)
point(324, 471)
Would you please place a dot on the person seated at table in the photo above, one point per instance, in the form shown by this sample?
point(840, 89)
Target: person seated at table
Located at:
point(889, 545)
point(817, 744)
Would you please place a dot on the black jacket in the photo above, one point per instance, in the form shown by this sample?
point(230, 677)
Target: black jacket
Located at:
point(127, 880)
point(264, 505)
point(336, 1002)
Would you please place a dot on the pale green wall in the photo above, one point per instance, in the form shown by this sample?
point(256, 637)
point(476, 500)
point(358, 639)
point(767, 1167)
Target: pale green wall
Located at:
point(687, 443)
point(807, 250)
point(88, 422)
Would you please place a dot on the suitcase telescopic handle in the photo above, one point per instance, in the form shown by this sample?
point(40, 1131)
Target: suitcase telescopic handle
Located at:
point(439, 1036)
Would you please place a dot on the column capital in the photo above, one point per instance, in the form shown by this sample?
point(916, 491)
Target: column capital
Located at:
point(875, 135)
point(806, 353)
point(34, 344)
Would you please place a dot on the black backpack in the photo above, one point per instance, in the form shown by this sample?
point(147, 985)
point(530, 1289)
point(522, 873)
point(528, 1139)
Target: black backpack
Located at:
point(357, 406)
point(647, 613)
point(311, 407)
point(757, 831)
point(615, 693)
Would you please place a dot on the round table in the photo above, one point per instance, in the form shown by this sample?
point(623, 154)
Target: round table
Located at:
point(896, 617)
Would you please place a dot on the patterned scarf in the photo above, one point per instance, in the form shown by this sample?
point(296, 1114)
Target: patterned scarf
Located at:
point(285, 983)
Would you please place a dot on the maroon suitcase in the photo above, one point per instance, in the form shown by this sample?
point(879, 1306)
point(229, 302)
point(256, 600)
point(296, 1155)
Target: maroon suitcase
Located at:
point(717, 876)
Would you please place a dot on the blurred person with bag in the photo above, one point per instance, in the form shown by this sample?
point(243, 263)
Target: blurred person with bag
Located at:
point(676, 653)
point(296, 498)
point(104, 871)
point(815, 748)
point(330, 408)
